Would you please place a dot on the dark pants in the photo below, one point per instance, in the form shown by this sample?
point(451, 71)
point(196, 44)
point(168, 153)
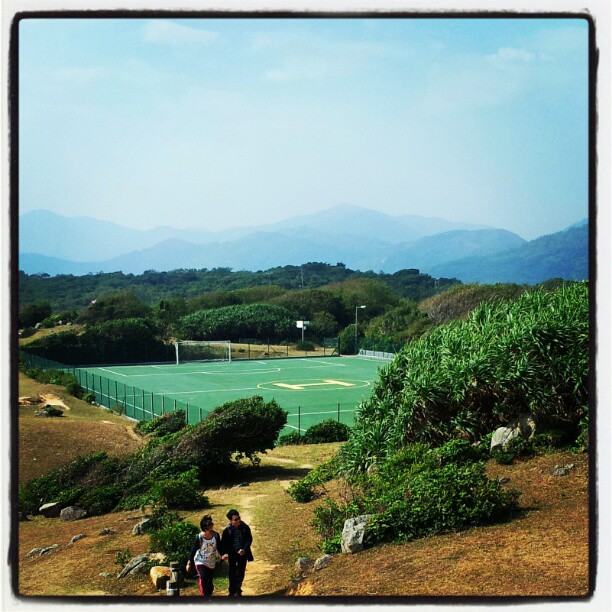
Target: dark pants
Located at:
point(237, 565)
point(205, 575)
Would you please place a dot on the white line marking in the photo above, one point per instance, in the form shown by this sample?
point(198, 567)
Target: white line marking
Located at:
point(117, 373)
point(168, 393)
point(328, 412)
point(327, 365)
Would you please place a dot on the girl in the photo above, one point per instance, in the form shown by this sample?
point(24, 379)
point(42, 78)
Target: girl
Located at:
point(204, 555)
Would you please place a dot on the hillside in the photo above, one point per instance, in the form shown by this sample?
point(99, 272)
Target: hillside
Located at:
point(561, 255)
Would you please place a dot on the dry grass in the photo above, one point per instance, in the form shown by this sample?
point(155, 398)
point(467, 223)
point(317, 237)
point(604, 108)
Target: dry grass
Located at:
point(543, 552)
point(41, 333)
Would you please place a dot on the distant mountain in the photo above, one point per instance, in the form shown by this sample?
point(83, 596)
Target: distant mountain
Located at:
point(560, 255)
point(84, 239)
point(430, 251)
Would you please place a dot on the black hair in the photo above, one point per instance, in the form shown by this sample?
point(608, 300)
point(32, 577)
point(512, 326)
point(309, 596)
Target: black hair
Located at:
point(231, 513)
point(206, 522)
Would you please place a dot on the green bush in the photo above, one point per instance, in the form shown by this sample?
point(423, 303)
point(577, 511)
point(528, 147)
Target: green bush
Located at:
point(457, 451)
point(291, 438)
point(89, 397)
point(179, 493)
point(165, 424)
point(462, 379)
point(303, 490)
point(174, 541)
point(53, 412)
point(333, 545)
point(101, 499)
point(327, 431)
point(516, 447)
point(305, 345)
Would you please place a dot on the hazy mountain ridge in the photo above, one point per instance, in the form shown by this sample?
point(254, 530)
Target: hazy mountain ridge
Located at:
point(363, 239)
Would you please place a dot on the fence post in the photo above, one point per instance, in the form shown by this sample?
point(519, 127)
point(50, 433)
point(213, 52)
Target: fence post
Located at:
point(152, 406)
point(174, 405)
point(144, 414)
point(200, 415)
point(163, 404)
point(116, 394)
point(300, 421)
point(186, 414)
point(338, 412)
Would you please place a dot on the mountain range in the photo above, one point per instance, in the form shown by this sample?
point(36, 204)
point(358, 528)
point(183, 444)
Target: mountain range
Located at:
point(363, 239)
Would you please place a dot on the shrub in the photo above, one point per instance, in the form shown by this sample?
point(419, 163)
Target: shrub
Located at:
point(165, 424)
point(182, 492)
point(174, 541)
point(327, 431)
point(101, 499)
point(89, 397)
point(333, 545)
point(303, 490)
point(516, 447)
point(457, 451)
point(305, 345)
point(53, 412)
point(291, 438)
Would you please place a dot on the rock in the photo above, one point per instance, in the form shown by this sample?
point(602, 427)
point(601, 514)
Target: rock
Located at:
point(504, 480)
point(502, 436)
point(136, 565)
point(34, 551)
point(142, 527)
point(106, 575)
point(78, 537)
point(304, 565)
point(41, 413)
point(160, 575)
point(525, 424)
point(51, 510)
point(322, 562)
point(562, 470)
point(47, 549)
point(73, 513)
point(106, 531)
point(352, 534)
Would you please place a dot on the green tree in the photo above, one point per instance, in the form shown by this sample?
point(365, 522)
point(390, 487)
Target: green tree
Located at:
point(31, 314)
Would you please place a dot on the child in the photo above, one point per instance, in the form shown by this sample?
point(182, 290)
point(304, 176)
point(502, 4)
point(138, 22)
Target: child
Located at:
point(204, 555)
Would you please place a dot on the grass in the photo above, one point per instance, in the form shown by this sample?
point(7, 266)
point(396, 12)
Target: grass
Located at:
point(48, 331)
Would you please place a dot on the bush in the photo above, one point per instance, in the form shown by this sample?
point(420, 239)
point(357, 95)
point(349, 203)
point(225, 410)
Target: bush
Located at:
point(101, 499)
point(457, 451)
point(327, 431)
point(174, 541)
point(516, 447)
point(305, 345)
point(179, 493)
point(291, 438)
point(303, 490)
point(165, 424)
point(53, 412)
point(89, 397)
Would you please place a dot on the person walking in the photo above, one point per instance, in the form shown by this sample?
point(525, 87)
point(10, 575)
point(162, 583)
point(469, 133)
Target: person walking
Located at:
point(203, 555)
point(236, 543)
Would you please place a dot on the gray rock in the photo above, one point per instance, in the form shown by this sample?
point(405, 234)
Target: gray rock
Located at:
point(525, 424)
point(137, 565)
point(304, 565)
point(47, 549)
point(502, 436)
point(322, 562)
point(562, 470)
point(106, 531)
point(51, 510)
point(78, 537)
point(352, 534)
point(504, 480)
point(73, 513)
point(41, 413)
point(106, 575)
point(142, 527)
point(34, 551)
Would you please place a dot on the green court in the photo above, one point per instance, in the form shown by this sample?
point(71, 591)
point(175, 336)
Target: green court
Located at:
point(310, 389)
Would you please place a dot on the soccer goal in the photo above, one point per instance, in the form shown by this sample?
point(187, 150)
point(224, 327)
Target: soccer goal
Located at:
point(203, 350)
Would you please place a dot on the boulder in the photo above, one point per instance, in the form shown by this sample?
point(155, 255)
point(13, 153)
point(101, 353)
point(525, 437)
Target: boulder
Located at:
point(47, 549)
point(106, 531)
point(304, 565)
point(525, 424)
point(352, 534)
point(322, 562)
point(34, 551)
point(73, 513)
point(142, 527)
point(160, 576)
point(106, 575)
point(51, 510)
point(136, 565)
point(78, 537)
point(502, 436)
point(562, 470)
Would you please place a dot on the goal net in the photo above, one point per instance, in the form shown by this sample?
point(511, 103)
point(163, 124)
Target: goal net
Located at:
point(203, 350)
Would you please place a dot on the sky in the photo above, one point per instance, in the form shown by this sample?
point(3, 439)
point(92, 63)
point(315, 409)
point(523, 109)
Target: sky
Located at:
point(217, 123)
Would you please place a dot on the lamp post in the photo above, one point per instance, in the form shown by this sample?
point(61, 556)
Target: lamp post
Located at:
point(357, 308)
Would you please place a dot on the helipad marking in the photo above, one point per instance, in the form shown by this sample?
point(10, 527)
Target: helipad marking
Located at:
point(316, 384)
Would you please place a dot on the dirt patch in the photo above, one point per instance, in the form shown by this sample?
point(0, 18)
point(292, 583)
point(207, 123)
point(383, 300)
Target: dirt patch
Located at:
point(53, 400)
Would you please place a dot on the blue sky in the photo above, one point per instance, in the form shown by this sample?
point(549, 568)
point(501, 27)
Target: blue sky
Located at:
point(219, 123)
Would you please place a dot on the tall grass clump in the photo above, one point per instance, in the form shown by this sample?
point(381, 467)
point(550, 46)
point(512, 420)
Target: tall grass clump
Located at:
point(468, 377)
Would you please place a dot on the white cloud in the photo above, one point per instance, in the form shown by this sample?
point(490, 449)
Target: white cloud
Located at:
point(506, 55)
point(171, 33)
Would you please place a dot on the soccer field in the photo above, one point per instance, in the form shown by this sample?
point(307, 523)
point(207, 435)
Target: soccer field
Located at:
point(310, 389)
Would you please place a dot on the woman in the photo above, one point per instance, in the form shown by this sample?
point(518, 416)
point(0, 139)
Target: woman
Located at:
point(204, 555)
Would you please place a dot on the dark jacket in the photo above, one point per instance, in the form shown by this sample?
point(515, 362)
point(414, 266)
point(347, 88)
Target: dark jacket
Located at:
point(227, 540)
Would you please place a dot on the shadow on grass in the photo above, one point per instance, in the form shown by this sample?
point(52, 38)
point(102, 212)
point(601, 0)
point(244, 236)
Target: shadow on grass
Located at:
point(248, 474)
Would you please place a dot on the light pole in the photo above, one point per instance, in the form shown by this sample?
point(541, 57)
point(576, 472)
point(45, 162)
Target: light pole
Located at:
point(357, 308)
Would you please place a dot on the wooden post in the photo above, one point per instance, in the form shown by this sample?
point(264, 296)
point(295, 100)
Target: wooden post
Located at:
point(300, 421)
